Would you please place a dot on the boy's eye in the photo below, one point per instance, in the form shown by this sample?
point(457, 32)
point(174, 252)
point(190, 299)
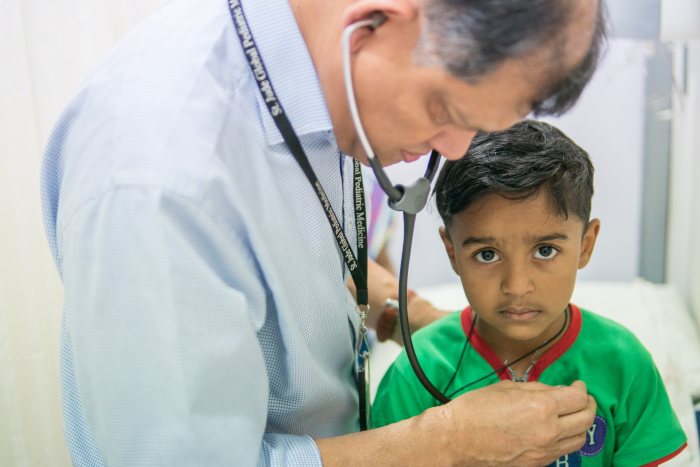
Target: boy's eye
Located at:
point(546, 252)
point(487, 256)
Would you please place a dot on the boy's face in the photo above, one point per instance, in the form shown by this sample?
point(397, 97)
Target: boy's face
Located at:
point(517, 260)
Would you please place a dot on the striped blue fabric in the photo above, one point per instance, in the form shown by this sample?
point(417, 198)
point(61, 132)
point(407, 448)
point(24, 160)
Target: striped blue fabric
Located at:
point(205, 318)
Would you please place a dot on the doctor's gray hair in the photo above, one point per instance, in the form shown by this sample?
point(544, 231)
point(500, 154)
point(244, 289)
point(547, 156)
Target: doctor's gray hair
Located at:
point(518, 163)
point(470, 38)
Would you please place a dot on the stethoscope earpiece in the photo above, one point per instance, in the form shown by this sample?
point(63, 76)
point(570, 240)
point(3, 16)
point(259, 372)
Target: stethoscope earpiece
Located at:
point(378, 18)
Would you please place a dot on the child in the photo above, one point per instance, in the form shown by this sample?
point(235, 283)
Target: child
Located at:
point(516, 213)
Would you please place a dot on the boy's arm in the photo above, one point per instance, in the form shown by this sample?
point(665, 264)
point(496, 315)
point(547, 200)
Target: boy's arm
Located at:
point(647, 429)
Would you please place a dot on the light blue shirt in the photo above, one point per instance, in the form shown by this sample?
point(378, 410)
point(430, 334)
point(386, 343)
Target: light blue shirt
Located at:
point(205, 321)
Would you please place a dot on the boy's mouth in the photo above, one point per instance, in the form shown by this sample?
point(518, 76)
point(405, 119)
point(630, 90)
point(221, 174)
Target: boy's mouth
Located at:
point(520, 314)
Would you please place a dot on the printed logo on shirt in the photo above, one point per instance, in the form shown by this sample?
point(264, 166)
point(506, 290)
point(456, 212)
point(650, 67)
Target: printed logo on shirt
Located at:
point(595, 437)
point(568, 460)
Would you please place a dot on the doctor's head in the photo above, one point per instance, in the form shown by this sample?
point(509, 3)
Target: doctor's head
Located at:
point(437, 71)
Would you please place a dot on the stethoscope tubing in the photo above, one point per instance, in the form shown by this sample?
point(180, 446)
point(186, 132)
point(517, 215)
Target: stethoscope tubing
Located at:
point(395, 193)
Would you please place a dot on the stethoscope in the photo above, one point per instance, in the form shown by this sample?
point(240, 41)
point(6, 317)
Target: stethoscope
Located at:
point(409, 199)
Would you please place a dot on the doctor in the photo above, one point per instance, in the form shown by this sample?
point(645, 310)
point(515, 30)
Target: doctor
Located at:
point(206, 319)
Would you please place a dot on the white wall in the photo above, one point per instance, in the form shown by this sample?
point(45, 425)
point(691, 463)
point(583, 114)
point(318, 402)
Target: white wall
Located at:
point(608, 121)
point(46, 49)
point(683, 266)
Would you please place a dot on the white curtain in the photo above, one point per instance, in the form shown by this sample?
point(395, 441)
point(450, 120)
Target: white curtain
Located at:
point(45, 50)
point(683, 267)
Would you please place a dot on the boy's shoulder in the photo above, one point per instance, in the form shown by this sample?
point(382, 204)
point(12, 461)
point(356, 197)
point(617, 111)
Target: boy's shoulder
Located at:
point(450, 323)
point(437, 346)
point(594, 323)
point(607, 337)
point(437, 338)
point(448, 329)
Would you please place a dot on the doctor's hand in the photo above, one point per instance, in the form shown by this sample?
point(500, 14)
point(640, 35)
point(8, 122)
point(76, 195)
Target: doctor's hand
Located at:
point(524, 424)
point(505, 424)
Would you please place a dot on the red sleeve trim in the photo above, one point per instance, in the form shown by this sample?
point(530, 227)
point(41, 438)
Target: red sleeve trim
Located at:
point(666, 458)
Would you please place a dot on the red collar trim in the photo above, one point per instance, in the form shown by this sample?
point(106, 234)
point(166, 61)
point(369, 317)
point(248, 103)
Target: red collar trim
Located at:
point(551, 355)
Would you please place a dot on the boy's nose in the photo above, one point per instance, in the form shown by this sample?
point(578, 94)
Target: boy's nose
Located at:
point(517, 281)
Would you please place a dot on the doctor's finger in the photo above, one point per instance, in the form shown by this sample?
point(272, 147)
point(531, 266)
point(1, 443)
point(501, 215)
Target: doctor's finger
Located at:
point(571, 399)
point(576, 424)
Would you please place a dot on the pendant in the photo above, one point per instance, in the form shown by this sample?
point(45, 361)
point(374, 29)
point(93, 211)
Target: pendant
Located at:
point(518, 379)
point(524, 377)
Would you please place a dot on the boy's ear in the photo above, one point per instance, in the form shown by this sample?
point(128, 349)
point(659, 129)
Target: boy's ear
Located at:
point(449, 248)
point(588, 242)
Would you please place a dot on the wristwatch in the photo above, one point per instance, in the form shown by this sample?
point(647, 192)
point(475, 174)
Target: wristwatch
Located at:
point(389, 317)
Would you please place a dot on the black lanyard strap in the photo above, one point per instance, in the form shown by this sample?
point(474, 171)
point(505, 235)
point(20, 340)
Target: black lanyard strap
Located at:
point(356, 266)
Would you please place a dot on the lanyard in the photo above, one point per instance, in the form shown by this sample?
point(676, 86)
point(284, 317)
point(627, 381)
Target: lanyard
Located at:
point(356, 266)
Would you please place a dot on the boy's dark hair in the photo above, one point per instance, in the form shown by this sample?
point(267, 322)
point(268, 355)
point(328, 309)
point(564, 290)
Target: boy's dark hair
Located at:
point(516, 163)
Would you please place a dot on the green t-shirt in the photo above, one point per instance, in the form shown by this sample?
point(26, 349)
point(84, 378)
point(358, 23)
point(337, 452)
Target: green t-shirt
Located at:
point(634, 425)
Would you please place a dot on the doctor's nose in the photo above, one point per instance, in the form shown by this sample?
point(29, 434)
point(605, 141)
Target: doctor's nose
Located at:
point(452, 143)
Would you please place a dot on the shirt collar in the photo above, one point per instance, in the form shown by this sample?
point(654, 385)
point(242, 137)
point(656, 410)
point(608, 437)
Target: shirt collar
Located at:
point(290, 69)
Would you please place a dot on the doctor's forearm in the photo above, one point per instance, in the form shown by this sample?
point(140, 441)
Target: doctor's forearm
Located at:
point(503, 424)
point(417, 441)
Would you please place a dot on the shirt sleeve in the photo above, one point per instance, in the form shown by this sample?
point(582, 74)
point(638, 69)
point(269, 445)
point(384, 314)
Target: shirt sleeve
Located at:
point(162, 306)
point(647, 429)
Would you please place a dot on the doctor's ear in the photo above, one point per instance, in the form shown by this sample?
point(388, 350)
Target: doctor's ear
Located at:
point(379, 11)
point(378, 18)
